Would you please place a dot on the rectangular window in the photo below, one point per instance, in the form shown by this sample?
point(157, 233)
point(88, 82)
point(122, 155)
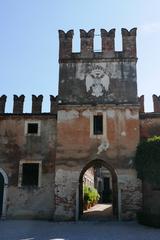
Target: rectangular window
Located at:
point(98, 124)
point(30, 174)
point(32, 128)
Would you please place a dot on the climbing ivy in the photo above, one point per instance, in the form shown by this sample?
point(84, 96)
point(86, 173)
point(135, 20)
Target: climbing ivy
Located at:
point(147, 160)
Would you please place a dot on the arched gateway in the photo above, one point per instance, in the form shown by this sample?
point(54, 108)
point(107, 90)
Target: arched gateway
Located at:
point(97, 164)
point(3, 192)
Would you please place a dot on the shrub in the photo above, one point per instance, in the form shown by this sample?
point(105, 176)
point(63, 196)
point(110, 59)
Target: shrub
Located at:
point(147, 160)
point(90, 194)
point(147, 164)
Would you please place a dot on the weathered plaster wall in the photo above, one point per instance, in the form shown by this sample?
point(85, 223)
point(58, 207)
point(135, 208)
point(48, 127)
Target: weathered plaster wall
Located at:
point(66, 187)
point(130, 193)
point(28, 202)
point(77, 145)
point(76, 139)
point(98, 81)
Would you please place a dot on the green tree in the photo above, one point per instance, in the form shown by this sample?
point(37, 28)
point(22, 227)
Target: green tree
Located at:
point(147, 160)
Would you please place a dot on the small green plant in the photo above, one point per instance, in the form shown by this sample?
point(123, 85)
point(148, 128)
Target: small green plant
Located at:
point(90, 195)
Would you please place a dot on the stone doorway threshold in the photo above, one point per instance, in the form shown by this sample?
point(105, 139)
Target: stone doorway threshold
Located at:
point(99, 212)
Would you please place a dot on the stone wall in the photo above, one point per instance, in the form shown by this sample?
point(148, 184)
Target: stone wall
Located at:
point(78, 82)
point(16, 147)
point(77, 146)
point(130, 193)
point(36, 108)
point(149, 125)
point(66, 187)
point(76, 139)
point(92, 77)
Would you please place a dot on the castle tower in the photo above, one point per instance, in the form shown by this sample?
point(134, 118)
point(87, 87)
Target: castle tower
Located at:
point(98, 77)
point(98, 118)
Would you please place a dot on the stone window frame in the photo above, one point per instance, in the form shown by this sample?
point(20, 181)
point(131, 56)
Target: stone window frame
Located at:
point(26, 128)
point(98, 124)
point(104, 118)
point(21, 172)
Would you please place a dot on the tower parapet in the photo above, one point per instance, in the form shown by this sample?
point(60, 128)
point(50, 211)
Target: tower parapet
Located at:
point(129, 42)
point(18, 104)
point(156, 103)
point(2, 103)
point(65, 44)
point(87, 44)
point(90, 77)
point(141, 103)
point(54, 104)
point(37, 104)
point(108, 43)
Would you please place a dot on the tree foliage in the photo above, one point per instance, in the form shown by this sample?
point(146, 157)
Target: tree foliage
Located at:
point(147, 160)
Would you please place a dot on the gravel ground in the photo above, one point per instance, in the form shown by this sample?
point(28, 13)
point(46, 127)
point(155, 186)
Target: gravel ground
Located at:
point(43, 230)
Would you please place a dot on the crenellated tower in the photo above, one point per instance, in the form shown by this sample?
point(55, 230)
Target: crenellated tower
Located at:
point(97, 118)
point(90, 77)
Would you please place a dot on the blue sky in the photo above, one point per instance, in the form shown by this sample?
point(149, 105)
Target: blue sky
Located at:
point(29, 42)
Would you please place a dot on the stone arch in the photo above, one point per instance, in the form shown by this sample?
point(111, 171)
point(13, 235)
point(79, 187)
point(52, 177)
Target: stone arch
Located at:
point(4, 197)
point(100, 162)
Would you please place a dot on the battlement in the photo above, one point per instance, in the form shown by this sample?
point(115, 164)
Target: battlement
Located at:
point(18, 104)
point(156, 103)
point(107, 45)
